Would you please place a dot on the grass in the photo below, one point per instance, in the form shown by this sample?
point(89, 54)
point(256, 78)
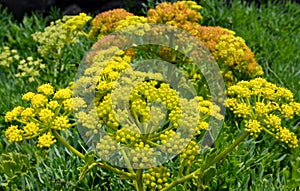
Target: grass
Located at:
point(271, 30)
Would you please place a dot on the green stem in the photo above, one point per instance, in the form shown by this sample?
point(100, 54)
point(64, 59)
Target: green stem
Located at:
point(152, 143)
point(228, 149)
point(118, 171)
point(252, 110)
point(127, 162)
point(269, 132)
point(64, 142)
point(216, 159)
point(139, 179)
point(76, 152)
point(153, 136)
point(187, 171)
point(181, 168)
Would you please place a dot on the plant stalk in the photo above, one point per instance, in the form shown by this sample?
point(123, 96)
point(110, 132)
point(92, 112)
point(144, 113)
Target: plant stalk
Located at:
point(118, 171)
point(139, 179)
point(66, 144)
point(76, 152)
point(216, 159)
point(227, 150)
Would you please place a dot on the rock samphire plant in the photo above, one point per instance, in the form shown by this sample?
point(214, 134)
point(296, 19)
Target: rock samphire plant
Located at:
point(146, 129)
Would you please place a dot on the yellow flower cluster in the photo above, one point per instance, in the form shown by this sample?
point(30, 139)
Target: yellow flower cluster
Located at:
point(127, 135)
point(106, 47)
point(30, 68)
point(174, 145)
point(45, 89)
point(157, 177)
point(46, 140)
point(105, 73)
point(138, 152)
point(88, 121)
point(60, 33)
point(234, 57)
point(154, 124)
point(26, 67)
point(209, 109)
point(76, 23)
point(105, 112)
point(133, 25)
point(111, 72)
point(141, 111)
point(131, 20)
point(193, 5)
point(169, 98)
point(190, 152)
point(13, 114)
point(14, 134)
point(231, 53)
point(140, 155)
point(106, 22)
point(47, 111)
point(106, 147)
point(264, 107)
point(8, 56)
point(253, 126)
point(164, 137)
point(65, 93)
point(210, 36)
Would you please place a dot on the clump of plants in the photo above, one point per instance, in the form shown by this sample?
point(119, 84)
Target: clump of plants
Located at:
point(137, 124)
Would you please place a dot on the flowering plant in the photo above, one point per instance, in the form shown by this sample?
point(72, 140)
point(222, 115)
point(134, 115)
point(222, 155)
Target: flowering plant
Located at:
point(134, 122)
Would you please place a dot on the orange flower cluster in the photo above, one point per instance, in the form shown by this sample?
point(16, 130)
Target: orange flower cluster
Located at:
point(106, 22)
point(231, 53)
point(176, 14)
point(210, 36)
point(234, 57)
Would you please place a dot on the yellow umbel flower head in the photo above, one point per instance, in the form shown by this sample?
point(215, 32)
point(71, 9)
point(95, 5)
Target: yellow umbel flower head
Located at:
point(157, 177)
point(154, 113)
point(264, 107)
point(76, 23)
point(46, 140)
point(48, 110)
point(60, 33)
point(131, 20)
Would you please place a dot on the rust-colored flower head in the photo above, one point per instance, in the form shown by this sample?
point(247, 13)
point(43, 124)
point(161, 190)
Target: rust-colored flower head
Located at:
point(230, 51)
point(106, 22)
point(176, 14)
point(210, 35)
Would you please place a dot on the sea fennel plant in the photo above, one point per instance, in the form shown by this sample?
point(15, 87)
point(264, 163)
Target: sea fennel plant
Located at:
point(49, 110)
point(146, 122)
